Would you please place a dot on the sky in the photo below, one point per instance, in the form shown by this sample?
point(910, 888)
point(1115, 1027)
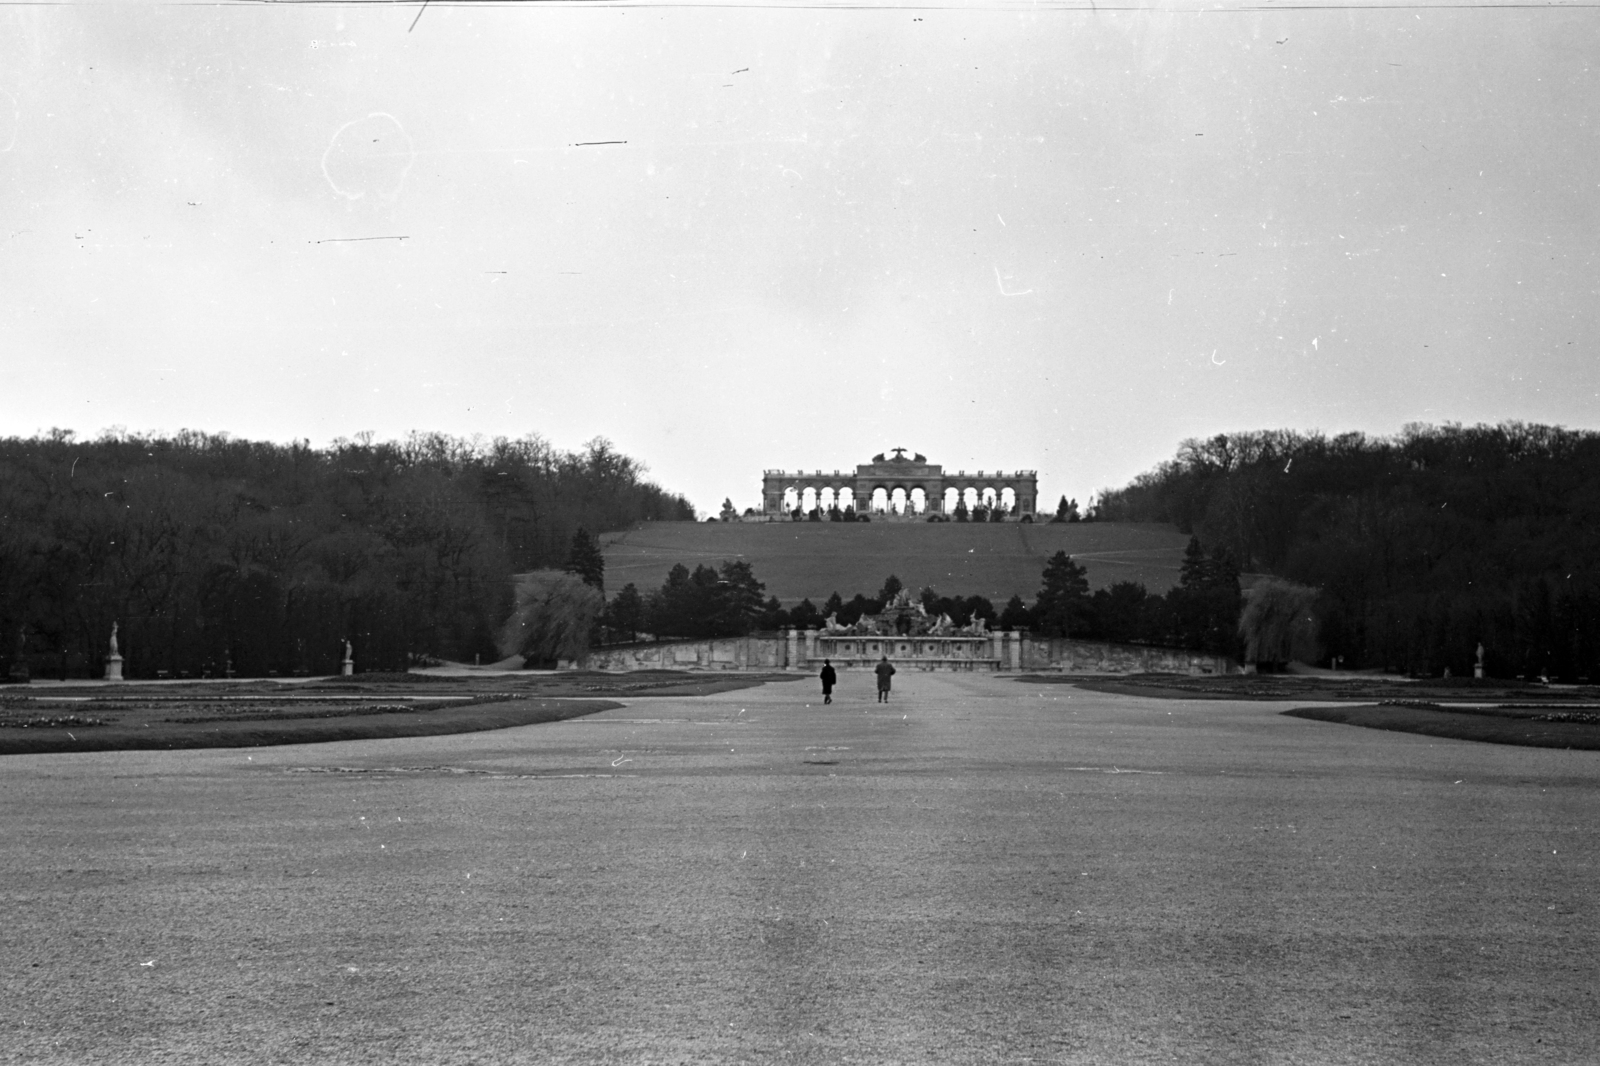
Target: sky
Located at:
point(1060, 237)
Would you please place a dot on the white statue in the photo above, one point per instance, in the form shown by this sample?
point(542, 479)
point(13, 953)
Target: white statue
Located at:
point(114, 660)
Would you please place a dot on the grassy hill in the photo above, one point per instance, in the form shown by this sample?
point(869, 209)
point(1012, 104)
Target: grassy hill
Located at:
point(812, 559)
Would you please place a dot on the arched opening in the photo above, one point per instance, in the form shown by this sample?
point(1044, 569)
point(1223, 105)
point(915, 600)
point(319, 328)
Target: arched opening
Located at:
point(791, 499)
point(918, 500)
point(952, 496)
point(969, 496)
point(988, 497)
point(808, 500)
point(880, 500)
point(1008, 499)
point(847, 498)
point(826, 499)
point(897, 500)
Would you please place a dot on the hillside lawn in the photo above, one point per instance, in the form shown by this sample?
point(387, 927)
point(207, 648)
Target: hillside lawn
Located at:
point(979, 872)
point(799, 560)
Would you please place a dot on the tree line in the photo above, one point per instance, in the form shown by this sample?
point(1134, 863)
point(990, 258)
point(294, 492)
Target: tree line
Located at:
point(1201, 613)
point(219, 555)
point(1416, 547)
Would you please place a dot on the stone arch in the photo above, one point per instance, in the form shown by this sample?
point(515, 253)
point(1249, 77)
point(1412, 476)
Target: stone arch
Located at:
point(917, 500)
point(847, 497)
point(880, 499)
point(791, 499)
point(988, 497)
point(808, 499)
point(898, 500)
point(827, 498)
point(969, 496)
point(1008, 499)
point(952, 496)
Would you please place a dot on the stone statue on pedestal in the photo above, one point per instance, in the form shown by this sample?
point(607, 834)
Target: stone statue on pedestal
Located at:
point(114, 660)
point(1477, 667)
point(348, 666)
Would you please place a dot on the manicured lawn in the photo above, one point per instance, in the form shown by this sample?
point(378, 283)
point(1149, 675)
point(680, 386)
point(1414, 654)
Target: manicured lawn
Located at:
point(1530, 728)
point(202, 714)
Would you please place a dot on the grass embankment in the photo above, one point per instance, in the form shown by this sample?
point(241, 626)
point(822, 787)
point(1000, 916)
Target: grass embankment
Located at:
point(205, 714)
point(1502, 711)
point(1534, 728)
point(814, 559)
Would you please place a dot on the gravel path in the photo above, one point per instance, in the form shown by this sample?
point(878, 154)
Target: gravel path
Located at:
point(978, 872)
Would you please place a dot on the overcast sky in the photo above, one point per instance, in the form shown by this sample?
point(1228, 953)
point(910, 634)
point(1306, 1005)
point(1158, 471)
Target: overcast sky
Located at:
point(1006, 236)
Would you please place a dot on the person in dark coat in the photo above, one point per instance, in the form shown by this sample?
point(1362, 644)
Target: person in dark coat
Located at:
point(829, 679)
point(884, 670)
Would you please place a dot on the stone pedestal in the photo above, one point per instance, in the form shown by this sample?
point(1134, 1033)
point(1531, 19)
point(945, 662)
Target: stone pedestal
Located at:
point(1015, 658)
point(347, 668)
point(114, 668)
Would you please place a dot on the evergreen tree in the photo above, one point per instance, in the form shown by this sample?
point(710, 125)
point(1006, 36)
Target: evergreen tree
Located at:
point(858, 606)
point(773, 616)
point(891, 588)
point(1016, 614)
point(1207, 600)
point(586, 561)
point(805, 616)
point(1062, 606)
point(625, 614)
point(740, 594)
point(980, 607)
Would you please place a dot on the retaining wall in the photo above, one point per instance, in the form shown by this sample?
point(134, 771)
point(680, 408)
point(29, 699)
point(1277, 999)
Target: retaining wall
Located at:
point(726, 653)
point(1010, 652)
point(1057, 654)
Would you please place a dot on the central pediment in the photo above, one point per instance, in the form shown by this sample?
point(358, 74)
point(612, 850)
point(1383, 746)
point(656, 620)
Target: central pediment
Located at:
point(897, 465)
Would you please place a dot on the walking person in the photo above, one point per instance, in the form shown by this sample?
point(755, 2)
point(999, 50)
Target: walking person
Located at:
point(829, 679)
point(884, 670)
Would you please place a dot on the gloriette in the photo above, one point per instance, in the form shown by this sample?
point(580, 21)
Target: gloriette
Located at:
point(898, 485)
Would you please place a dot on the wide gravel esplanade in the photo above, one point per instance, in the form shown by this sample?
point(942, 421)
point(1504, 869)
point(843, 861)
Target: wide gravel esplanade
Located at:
point(899, 485)
point(981, 871)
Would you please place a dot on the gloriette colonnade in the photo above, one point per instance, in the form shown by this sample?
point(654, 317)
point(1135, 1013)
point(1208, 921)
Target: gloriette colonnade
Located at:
point(898, 485)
